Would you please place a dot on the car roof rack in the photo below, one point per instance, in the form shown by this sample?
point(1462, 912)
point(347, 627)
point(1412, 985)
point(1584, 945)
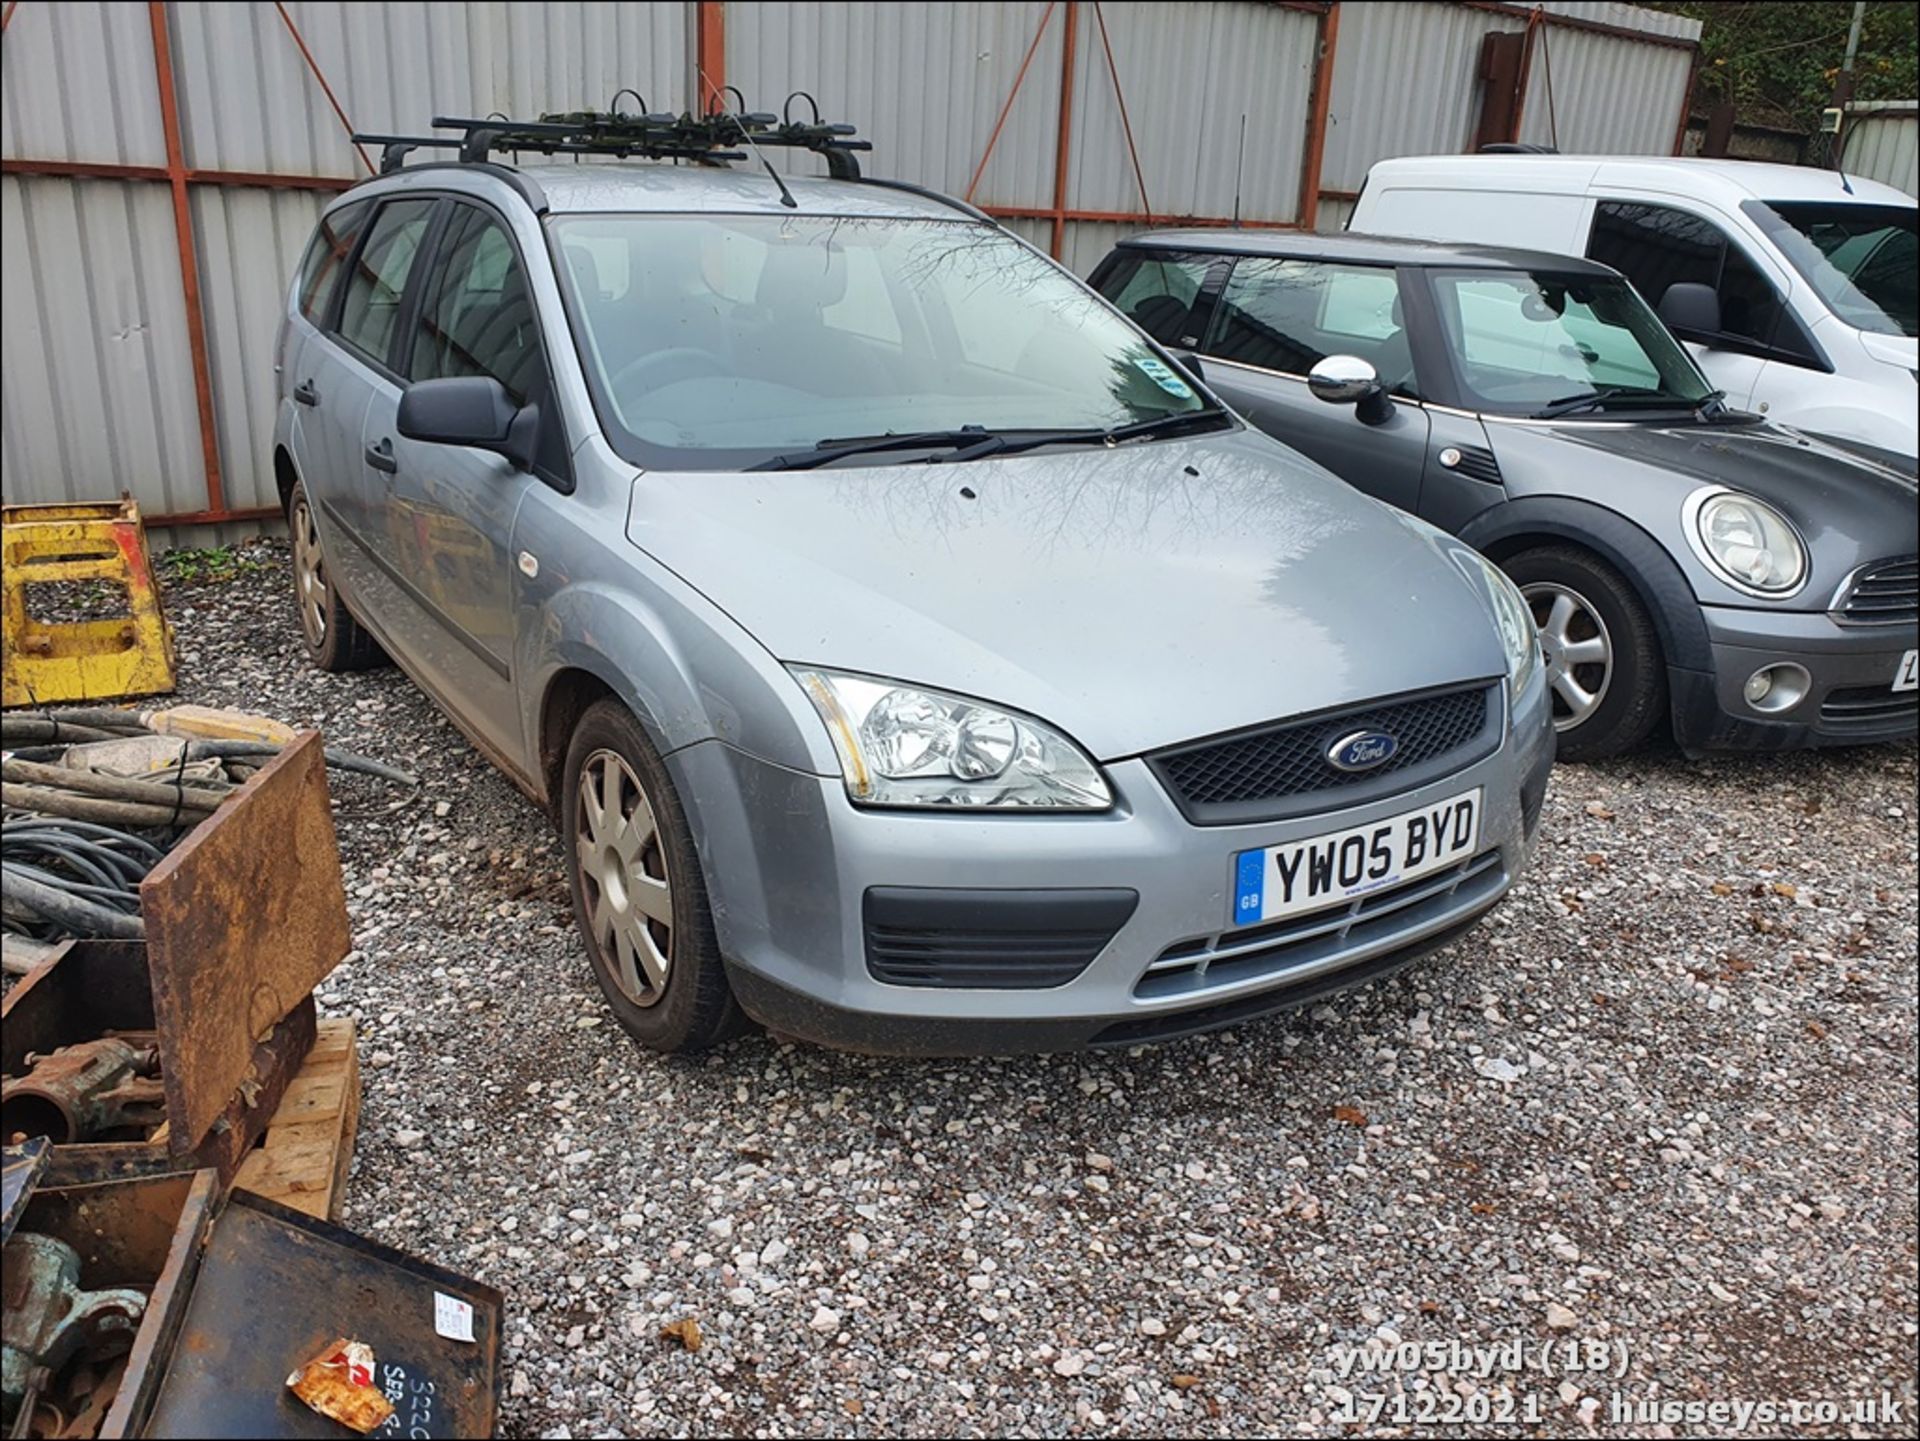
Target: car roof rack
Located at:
point(713, 138)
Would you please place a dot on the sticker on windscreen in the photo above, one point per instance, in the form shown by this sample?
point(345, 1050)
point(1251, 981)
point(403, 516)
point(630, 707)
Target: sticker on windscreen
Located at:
point(1161, 374)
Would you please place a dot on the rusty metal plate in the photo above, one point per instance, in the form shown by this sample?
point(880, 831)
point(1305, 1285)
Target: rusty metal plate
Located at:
point(275, 1286)
point(244, 918)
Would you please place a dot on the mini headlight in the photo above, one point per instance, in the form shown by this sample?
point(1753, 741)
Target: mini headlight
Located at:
point(1746, 542)
point(902, 745)
point(1514, 618)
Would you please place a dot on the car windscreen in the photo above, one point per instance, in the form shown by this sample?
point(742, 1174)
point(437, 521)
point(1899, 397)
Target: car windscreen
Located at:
point(1862, 260)
point(1524, 342)
point(719, 341)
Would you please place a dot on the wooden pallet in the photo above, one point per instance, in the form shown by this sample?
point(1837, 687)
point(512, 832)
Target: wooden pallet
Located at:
point(308, 1148)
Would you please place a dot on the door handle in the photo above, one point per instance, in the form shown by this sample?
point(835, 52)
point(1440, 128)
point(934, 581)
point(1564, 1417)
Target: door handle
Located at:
point(306, 394)
point(380, 457)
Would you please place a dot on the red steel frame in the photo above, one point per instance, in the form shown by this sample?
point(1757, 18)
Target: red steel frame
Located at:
point(1313, 149)
point(178, 176)
point(710, 51)
point(710, 63)
point(189, 263)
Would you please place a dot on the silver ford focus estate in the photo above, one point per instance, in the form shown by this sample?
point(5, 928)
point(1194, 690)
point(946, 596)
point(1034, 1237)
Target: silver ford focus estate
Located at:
point(915, 656)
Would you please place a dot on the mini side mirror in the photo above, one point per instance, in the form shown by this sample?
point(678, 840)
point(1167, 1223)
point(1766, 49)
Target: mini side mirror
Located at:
point(470, 410)
point(1349, 380)
point(1691, 310)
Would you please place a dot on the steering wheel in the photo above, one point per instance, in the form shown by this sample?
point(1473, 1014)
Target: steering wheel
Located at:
point(680, 357)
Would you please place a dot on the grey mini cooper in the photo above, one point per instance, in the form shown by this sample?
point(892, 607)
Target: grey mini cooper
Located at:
point(913, 655)
point(1686, 563)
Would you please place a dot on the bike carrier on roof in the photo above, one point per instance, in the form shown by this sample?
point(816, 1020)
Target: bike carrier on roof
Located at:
point(714, 138)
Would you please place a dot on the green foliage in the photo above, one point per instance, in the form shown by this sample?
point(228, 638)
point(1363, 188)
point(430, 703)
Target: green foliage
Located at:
point(1777, 60)
point(219, 563)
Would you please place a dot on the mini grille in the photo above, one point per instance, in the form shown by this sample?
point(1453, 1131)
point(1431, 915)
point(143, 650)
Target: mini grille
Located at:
point(1884, 594)
point(1217, 781)
point(1868, 707)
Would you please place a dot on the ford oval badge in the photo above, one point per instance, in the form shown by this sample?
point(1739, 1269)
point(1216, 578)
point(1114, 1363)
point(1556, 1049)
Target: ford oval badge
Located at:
point(1362, 751)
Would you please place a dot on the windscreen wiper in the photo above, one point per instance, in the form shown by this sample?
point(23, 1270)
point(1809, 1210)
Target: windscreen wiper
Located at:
point(1175, 423)
point(828, 451)
point(1607, 395)
point(975, 442)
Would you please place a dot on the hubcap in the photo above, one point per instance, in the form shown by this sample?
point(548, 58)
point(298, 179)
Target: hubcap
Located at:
point(623, 878)
point(1577, 649)
point(309, 575)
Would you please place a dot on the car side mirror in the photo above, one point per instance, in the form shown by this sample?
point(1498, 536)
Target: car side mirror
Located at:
point(470, 410)
point(1192, 363)
point(1691, 310)
point(1349, 380)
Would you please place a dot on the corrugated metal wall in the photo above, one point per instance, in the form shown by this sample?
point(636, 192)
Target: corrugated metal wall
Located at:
point(101, 391)
point(1593, 94)
point(927, 83)
point(1404, 83)
point(1883, 143)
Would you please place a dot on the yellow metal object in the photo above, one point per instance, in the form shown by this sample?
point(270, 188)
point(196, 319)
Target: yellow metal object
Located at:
point(205, 722)
point(52, 660)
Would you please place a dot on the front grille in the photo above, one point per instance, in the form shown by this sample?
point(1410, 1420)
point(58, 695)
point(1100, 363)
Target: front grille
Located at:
point(1282, 770)
point(1868, 708)
point(1324, 935)
point(1003, 940)
point(1884, 594)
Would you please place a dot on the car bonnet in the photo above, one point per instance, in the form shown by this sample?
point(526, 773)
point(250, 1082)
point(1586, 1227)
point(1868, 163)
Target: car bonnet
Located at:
point(1135, 596)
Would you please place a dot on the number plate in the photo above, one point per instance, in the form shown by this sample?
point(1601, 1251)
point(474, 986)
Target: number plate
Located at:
point(1904, 678)
point(1327, 870)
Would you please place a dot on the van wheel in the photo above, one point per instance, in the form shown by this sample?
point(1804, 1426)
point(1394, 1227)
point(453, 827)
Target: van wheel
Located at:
point(335, 641)
point(638, 892)
point(1605, 671)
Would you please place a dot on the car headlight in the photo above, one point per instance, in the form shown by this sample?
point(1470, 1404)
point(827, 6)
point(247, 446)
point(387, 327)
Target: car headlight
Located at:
point(1746, 542)
point(1514, 619)
point(903, 745)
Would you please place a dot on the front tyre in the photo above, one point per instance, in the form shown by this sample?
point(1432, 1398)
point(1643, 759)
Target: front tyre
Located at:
point(638, 892)
point(1605, 670)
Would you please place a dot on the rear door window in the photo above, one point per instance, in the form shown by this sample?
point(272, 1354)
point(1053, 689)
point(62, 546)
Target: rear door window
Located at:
point(377, 284)
point(326, 257)
point(1289, 315)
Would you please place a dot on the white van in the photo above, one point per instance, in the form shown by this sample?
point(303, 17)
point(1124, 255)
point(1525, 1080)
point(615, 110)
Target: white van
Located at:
point(1794, 288)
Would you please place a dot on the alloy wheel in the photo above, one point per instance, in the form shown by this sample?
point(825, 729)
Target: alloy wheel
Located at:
point(624, 882)
point(1577, 649)
point(309, 575)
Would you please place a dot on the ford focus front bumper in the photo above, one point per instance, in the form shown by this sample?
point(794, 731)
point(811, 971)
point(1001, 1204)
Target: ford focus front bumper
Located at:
point(921, 933)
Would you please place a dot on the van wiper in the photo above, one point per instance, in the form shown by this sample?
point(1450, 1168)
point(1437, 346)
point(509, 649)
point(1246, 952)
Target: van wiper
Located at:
point(828, 451)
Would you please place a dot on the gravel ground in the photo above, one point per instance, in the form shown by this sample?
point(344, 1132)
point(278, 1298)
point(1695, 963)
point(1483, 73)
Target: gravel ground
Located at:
point(1664, 1100)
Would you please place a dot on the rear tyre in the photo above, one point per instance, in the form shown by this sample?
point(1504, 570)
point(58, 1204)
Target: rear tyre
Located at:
point(638, 893)
point(1605, 671)
point(335, 641)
